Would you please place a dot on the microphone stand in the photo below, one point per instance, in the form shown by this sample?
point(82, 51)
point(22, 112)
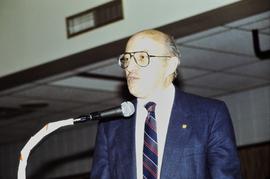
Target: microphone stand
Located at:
point(126, 110)
point(34, 140)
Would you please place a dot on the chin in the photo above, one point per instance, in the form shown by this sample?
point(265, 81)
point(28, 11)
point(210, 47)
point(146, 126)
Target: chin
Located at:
point(140, 89)
point(139, 93)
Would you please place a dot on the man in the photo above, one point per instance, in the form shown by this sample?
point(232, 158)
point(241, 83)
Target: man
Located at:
point(173, 134)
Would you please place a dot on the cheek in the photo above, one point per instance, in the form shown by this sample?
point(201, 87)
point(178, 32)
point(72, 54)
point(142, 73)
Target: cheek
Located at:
point(153, 77)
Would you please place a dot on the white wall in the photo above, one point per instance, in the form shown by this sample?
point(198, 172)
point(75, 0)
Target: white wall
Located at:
point(33, 32)
point(250, 112)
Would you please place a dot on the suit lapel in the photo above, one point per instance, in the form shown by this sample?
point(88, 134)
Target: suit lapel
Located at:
point(178, 133)
point(133, 173)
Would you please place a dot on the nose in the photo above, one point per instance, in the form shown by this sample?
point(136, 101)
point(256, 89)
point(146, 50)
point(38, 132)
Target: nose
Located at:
point(132, 65)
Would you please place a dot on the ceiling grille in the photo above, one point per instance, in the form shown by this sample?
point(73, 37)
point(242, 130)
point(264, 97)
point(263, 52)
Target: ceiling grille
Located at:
point(94, 18)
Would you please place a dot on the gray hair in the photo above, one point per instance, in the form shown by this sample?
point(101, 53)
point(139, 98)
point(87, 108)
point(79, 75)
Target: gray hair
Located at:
point(174, 50)
point(173, 47)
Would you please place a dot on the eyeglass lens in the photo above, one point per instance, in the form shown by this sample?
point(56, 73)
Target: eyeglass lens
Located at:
point(141, 58)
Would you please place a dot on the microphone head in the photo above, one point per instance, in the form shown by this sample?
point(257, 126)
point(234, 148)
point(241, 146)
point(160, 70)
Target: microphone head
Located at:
point(127, 108)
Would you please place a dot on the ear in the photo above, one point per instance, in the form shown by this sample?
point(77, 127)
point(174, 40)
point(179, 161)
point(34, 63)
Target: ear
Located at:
point(172, 64)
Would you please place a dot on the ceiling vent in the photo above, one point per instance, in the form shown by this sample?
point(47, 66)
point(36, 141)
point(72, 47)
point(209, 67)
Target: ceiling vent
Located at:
point(94, 18)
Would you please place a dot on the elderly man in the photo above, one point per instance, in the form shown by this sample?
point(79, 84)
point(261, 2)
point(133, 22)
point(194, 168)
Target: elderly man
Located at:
point(173, 134)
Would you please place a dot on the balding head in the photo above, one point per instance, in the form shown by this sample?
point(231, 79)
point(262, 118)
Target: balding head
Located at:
point(164, 39)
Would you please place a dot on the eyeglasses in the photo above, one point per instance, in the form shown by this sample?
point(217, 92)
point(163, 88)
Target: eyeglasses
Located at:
point(141, 58)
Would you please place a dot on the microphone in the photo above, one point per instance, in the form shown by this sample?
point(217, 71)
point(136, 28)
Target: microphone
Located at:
point(125, 110)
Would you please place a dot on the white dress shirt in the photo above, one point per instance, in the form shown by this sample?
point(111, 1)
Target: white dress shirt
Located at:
point(164, 102)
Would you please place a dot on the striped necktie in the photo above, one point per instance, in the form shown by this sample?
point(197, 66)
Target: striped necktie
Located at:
point(150, 150)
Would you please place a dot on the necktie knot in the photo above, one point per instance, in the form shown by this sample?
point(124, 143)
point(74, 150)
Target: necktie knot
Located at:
point(150, 106)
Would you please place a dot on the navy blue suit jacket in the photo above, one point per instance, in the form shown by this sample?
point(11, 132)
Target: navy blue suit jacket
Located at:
point(204, 149)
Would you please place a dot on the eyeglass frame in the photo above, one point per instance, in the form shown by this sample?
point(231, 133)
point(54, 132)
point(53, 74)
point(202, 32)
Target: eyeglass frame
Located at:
point(132, 55)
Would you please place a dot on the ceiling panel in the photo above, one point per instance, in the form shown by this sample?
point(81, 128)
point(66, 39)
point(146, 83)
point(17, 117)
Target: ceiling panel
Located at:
point(264, 41)
point(211, 60)
point(232, 41)
point(226, 82)
point(16, 89)
point(97, 65)
point(200, 35)
point(260, 69)
point(202, 91)
point(261, 24)
point(250, 19)
point(90, 83)
point(266, 30)
point(30, 118)
point(110, 69)
point(63, 93)
point(55, 78)
point(12, 101)
point(52, 105)
point(188, 73)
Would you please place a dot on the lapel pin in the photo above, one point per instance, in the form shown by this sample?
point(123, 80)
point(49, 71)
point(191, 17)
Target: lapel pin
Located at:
point(184, 126)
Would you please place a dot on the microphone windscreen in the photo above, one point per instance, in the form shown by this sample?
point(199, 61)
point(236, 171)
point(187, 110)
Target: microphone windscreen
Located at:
point(127, 108)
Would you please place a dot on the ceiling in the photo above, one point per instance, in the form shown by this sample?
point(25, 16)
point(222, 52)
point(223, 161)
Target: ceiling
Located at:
point(214, 63)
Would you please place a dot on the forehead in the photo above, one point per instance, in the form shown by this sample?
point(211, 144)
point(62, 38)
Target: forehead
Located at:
point(153, 45)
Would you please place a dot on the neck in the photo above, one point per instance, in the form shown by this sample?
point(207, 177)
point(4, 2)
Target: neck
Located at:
point(159, 92)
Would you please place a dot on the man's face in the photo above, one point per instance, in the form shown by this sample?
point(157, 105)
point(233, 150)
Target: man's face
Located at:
point(145, 81)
